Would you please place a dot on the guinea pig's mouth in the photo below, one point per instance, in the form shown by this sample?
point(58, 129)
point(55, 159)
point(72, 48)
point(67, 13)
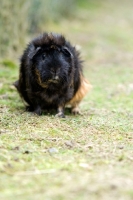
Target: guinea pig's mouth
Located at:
point(54, 79)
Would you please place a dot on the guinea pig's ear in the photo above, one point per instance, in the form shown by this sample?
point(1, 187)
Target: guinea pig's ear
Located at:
point(66, 52)
point(34, 52)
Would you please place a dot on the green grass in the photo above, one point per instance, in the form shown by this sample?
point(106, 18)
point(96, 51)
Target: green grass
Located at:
point(80, 157)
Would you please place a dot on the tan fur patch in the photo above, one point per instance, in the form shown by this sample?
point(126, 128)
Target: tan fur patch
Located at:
point(84, 88)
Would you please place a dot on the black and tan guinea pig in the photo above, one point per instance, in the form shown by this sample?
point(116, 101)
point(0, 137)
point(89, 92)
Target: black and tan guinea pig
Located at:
point(51, 75)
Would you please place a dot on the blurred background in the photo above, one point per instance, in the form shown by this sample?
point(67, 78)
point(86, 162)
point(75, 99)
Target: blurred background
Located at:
point(21, 20)
point(96, 25)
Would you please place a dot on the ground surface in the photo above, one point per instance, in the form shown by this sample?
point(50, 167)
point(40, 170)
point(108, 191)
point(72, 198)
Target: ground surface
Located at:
point(79, 157)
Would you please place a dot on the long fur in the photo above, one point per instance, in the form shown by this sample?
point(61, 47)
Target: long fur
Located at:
point(51, 75)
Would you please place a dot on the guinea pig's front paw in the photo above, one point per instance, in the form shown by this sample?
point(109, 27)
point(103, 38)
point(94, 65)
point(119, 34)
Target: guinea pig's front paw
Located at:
point(76, 111)
point(60, 114)
point(38, 111)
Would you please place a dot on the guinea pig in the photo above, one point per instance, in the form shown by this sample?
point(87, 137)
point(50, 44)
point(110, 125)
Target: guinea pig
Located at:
point(51, 76)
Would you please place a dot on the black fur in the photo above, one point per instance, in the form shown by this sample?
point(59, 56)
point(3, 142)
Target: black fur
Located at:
point(50, 73)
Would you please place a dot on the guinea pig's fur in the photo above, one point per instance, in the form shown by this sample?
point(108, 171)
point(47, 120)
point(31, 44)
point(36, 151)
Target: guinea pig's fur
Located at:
point(51, 75)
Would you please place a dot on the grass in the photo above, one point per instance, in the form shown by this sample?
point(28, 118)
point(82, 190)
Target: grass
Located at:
point(79, 157)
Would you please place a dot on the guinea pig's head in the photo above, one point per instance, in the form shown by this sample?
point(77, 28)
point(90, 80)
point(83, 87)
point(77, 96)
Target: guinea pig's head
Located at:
point(52, 58)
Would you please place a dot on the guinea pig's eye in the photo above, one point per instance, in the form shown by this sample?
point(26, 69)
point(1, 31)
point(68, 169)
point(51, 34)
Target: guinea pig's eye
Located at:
point(66, 52)
point(43, 56)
